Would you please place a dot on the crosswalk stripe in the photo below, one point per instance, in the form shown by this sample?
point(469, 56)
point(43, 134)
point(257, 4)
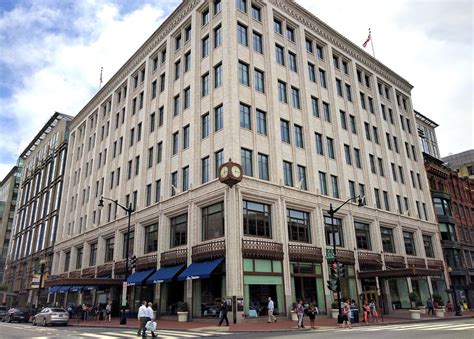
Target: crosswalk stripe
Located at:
point(118, 334)
point(161, 334)
point(97, 335)
point(440, 327)
point(414, 327)
point(466, 327)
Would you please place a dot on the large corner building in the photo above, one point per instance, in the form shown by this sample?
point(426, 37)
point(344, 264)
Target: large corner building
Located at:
point(311, 118)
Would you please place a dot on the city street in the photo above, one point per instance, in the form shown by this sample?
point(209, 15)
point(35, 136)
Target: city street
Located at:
point(460, 329)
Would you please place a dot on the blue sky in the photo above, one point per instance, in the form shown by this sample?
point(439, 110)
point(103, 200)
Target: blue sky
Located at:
point(51, 52)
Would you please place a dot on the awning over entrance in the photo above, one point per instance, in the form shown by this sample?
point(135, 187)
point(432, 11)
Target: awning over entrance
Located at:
point(164, 274)
point(400, 273)
point(75, 288)
point(139, 277)
point(63, 289)
point(89, 288)
point(200, 270)
point(53, 289)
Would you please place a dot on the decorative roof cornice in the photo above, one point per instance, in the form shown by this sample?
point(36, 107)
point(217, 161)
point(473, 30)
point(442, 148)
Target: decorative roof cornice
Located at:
point(139, 56)
point(308, 19)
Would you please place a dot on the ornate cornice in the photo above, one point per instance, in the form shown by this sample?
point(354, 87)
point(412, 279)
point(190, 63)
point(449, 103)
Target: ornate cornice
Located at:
point(308, 19)
point(139, 56)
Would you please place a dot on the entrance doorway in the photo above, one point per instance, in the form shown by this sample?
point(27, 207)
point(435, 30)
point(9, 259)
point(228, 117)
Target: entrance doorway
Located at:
point(259, 298)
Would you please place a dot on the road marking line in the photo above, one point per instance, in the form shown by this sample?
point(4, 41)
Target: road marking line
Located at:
point(441, 327)
point(422, 326)
point(96, 335)
point(464, 327)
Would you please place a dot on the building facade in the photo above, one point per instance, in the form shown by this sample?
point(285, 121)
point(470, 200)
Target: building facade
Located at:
point(311, 118)
point(453, 204)
point(37, 213)
point(462, 162)
point(9, 187)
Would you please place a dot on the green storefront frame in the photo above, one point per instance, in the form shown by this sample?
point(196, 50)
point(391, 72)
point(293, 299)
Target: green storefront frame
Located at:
point(308, 272)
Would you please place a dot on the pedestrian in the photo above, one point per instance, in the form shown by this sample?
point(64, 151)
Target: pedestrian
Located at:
point(312, 311)
point(373, 311)
point(429, 306)
point(366, 312)
point(108, 311)
point(150, 317)
point(142, 317)
point(84, 312)
point(271, 309)
point(223, 313)
point(346, 316)
point(300, 313)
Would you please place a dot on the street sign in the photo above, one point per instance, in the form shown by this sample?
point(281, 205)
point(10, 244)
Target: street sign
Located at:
point(35, 281)
point(329, 253)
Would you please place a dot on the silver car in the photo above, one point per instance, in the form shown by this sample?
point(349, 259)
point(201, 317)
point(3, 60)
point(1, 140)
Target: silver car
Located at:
point(51, 316)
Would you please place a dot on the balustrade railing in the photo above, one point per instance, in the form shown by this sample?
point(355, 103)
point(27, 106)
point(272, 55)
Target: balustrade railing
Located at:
point(209, 250)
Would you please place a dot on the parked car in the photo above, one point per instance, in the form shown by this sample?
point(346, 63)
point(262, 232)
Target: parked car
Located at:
point(51, 316)
point(3, 311)
point(16, 314)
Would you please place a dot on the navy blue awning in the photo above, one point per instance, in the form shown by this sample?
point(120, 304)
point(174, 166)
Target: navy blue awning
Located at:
point(63, 289)
point(164, 274)
point(200, 270)
point(53, 289)
point(139, 277)
point(75, 288)
point(88, 288)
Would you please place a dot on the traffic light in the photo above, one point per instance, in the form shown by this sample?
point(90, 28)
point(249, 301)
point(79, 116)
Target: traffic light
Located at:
point(332, 285)
point(332, 282)
point(341, 270)
point(133, 261)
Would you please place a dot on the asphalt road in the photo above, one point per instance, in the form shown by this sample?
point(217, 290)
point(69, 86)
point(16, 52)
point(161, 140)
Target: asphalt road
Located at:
point(458, 329)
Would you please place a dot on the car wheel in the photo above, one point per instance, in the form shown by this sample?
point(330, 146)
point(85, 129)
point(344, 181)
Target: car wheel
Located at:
point(44, 322)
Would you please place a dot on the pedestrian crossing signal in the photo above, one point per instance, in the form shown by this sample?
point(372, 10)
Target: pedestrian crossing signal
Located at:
point(133, 261)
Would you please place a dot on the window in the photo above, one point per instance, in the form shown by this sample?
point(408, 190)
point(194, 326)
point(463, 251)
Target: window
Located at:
point(389, 142)
point(323, 186)
point(362, 190)
point(205, 126)
point(186, 137)
point(447, 231)
point(319, 143)
point(137, 165)
point(335, 186)
point(367, 81)
point(399, 204)
point(298, 226)
point(187, 33)
point(309, 45)
point(241, 5)
point(315, 106)
point(217, 6)
point(280, 55)
point(93, 254)
point(217, 36)
point(219, 117)
point(400, 171)
point(218, 75)
point(381, 169)
point(277, 26)
point(371, 105)
point(179, 228)
point(345, 67)
point(79, 253)
point(261, 122)
point(352, 190)
point(362, 233)
point(377, 198)
point(311, 72)
point(412, 175)
point(187, 97)
point(388, 244)
point(442, 207)
point(139, 132)
point(151, 238)
point(288, 173)
point(348, 92)
point(153, 90)
point(357, 158)
point(213, 221)
point(246, 161)
point(257, 42)
point(205, 17)
point(333, 231)
point(67, 260)
point(243, 73)
point(257, 219)
point(185, 178)
point(175, 142)
point(205, 170)
point(285, 131)
point(335, 61)
point(418, 176)
point(330, 146)
point(282, 95)
point(295, 97)
point(263, 171)
point(367, 131)
point(152, 128)
point(320, 52)
point(299, 136)
point(394, 172)
point(376, 134)
point(347, 152)
point(428, 246)
point(395, 143)
point(177, 69)
point(245, 116)
point(302, 184)
point(159, 152)
point(174, 183)
point(409, 241)
point(322, 78)
point(256, 13)
point(339, 87)
point(176, 105)
point(148, 195)
point(292, 62)
point(205, 46)
point(362, 100)
point(290, 34)
point(205, 85)
point(242, 34)
point(218, 161)
point(372, 164)
point(259, 81)
point(386, 201)
point(413, 152)
point(162, 82)
point(178, 42)
point(326, 112)
point(150, 157)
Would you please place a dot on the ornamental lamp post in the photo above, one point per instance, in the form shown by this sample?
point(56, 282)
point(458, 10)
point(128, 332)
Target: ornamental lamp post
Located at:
point(331, 212)
point(129, 210)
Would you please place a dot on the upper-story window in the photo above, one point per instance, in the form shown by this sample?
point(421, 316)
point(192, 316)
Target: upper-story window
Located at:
point(441, 206)
point(213, 221)
point(242, 37)
point(241, 5)
point(298, 226)
point(387, 239)
point(409, 240)
point(179, 230)
point(256, 13)
point(447, 231)
point(278, 26)
point(428, 246)
point(338, 235)
point(109, 249)
point(362, 233)
point(257, 219)
point(205, 17)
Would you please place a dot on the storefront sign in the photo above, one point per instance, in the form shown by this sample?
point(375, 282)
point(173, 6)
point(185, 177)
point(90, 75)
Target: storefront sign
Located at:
point(329, 253)
point(35, 281)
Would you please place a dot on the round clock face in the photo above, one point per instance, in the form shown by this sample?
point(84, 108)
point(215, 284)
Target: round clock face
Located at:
point(224, 172)
point(236, 171)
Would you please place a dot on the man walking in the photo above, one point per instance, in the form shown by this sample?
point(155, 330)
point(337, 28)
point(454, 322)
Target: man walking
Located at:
point(429, 306)
point(150, 317)
point(224, 309)
point(271, 308)
point(143, 317)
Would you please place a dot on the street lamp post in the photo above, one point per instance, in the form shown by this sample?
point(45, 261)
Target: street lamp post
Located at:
point(42, 265)
point(129, 210)
point(457, 308)
point(332, 211)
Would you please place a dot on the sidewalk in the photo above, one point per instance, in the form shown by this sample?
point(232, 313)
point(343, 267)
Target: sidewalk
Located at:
point(254, 325)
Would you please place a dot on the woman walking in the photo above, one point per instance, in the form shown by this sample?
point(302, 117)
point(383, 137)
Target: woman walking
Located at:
point(346, 316)
point(312, 315)
point(300, 313)
point(366, 312)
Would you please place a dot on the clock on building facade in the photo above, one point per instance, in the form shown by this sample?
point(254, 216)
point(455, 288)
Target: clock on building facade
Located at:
point(230, 173)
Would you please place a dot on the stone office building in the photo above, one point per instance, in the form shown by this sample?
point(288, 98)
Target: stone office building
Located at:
point(311, 118)
point(37, 213)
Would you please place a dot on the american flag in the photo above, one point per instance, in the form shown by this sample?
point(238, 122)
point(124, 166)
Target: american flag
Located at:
point(367, 41)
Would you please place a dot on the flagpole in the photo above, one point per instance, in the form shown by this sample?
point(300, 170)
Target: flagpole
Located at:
point(372, 43)
point(100, 81)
